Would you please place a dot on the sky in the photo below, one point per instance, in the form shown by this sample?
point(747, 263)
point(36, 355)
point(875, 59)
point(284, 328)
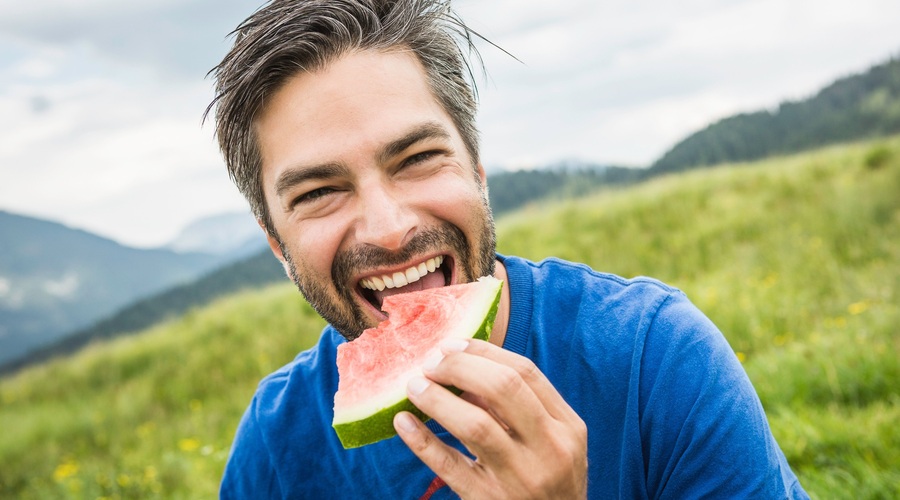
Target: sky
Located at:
point(101, 100)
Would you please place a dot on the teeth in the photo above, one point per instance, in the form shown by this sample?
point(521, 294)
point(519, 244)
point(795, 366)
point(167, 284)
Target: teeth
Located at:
point(399, 279)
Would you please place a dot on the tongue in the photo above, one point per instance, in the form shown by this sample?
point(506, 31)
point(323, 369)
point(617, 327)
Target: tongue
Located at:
point(430, 280)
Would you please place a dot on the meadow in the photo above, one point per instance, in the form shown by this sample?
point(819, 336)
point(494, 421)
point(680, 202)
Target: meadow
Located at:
point(795, 258)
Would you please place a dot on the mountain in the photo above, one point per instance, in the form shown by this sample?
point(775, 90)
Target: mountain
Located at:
point(252, 272)
point(55, 279)
point(236, 234)
point(856, 107)
point(510, 190)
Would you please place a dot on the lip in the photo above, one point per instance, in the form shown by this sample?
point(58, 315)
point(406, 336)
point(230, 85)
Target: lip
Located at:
point(449, 261)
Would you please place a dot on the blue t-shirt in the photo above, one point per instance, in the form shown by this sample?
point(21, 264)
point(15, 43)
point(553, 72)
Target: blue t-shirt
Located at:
point(668, 407)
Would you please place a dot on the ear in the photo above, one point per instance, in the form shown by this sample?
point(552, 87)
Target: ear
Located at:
point(481, 174)
point(276, 249)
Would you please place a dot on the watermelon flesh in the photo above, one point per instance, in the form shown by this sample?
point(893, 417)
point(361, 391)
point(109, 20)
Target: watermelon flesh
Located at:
point(375, 367)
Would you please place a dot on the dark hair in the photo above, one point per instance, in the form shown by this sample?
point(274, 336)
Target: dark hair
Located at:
point(286, 37)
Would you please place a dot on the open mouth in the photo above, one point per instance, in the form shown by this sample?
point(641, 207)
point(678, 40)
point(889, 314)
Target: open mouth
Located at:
point(431, 273)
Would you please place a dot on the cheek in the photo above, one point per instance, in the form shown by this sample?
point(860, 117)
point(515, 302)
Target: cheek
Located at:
point(458, 202)
point(314, 248)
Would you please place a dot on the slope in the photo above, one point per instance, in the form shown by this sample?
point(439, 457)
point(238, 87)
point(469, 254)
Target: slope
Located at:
point(54, 279)
point(797, 259)
point(865, 105)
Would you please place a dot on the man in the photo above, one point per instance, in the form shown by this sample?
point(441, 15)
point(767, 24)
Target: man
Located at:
point(349, 127)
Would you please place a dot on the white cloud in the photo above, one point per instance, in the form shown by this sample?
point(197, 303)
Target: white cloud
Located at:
point(100, 100)
point(622, 81)
point(64, 287)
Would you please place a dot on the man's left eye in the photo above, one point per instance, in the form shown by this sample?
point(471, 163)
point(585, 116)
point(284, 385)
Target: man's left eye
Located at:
point(420, 157)
point(312, 195)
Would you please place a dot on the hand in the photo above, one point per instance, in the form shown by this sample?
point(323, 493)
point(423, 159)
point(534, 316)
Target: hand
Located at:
point(528, 442)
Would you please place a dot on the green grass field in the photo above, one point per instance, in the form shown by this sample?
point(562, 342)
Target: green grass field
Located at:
point(797, 259)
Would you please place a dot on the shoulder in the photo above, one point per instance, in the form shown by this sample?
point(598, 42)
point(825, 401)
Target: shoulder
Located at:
point(568, 288)
point(306, 384)
point(554, 275)
point(267, 437)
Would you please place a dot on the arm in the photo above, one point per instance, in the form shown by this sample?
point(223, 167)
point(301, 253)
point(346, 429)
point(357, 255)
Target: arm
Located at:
point(249, 472)
point(703, 429)
point(527, 441)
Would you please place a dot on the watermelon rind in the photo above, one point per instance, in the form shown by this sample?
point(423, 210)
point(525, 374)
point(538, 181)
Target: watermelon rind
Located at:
point(356, 430)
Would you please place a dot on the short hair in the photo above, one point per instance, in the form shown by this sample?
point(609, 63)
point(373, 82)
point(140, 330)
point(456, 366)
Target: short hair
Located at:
point(287, 37)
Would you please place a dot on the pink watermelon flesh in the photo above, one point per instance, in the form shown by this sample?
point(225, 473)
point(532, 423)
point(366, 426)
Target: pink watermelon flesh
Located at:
point(375, 368)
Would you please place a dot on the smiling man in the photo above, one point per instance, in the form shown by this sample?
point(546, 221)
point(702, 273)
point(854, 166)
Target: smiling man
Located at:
point(349, 127)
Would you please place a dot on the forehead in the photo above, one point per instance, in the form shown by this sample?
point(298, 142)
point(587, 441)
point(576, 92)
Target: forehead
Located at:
point(354, 104)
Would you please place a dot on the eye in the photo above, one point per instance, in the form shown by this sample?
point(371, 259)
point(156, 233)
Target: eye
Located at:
point(313, 195)
point(421, 157)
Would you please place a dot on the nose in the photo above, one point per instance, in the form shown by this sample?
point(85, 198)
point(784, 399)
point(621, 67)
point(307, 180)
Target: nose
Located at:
point(385, 217)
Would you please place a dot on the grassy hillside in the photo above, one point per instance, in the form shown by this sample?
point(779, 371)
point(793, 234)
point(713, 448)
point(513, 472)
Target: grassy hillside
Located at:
point(865, 105)
point(797, 259)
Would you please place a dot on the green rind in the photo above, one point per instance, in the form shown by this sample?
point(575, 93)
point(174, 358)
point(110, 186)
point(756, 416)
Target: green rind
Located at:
point(380, 425)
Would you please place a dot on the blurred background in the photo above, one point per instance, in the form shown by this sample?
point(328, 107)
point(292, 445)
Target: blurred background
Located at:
point(117, 216)
point(101, 101)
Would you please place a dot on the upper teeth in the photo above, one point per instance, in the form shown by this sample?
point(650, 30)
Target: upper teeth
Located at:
point(398, 279)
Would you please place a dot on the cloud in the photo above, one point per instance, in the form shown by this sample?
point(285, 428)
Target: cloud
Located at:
point(100, 100)
point(622, 81)
point(179, 38)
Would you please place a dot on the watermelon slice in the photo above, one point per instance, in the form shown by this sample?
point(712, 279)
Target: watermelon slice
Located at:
point(375, 368)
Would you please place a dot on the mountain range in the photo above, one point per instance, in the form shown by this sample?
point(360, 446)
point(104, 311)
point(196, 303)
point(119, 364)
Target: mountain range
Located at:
point(55, 279)
point(61, 288)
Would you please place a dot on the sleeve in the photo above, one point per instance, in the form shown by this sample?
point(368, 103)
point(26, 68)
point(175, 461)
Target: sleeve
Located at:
point(249, 472)
point(704, 430)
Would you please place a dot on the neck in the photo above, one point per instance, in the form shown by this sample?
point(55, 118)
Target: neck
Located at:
point(501, 322)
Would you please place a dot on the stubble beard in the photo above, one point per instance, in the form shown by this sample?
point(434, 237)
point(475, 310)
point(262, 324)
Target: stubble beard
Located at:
point(346, 315)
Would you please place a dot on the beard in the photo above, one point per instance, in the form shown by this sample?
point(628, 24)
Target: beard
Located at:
point(346, 315)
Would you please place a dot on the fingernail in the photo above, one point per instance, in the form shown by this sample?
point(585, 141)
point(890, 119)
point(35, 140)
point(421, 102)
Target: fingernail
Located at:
point(431, 363)
point(406, 422)
point(416, 386)
point(454, 345)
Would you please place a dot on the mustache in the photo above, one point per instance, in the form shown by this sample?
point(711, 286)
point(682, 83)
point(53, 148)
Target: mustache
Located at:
point(362, 257)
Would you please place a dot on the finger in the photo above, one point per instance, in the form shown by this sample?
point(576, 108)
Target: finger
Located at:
point(543, 389)
point(456, 469)
point(480, 432)
point(483, 404)
point(503, 390)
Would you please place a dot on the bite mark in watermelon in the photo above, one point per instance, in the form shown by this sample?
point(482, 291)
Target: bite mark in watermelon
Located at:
point(375, 368)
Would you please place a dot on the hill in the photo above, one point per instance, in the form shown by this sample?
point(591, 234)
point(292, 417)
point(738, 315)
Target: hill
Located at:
point(514, 189)
point(252, 272)
point(54, 279)
point(234, 233)
point(796, 258)
point(861, 106)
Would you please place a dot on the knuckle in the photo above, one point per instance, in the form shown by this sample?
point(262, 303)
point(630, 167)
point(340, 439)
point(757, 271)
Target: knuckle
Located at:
point(448, 462)
point(580, 431)
point(422, 444)
point(508, 382)
point(479, 429)
point(526, 368)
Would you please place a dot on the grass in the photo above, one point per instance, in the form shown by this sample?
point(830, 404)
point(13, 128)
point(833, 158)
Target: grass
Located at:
point(150, 416)
point(797, 259)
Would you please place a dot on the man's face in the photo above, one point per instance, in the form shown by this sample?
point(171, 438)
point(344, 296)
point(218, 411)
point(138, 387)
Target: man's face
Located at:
point(370, 188)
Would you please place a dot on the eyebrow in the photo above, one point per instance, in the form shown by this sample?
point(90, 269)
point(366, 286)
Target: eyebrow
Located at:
point(294, 176)
point(428, 130)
